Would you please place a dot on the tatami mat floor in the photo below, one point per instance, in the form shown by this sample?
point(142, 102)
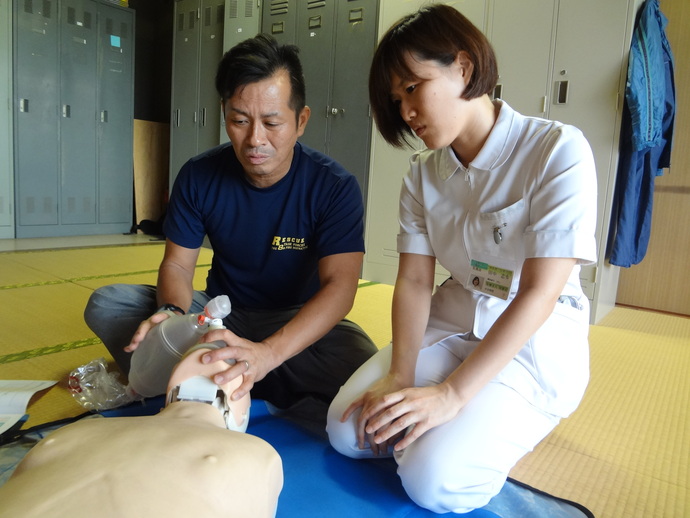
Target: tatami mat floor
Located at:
point(624, 453)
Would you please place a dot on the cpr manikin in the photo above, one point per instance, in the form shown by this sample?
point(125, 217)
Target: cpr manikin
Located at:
point(182, 462)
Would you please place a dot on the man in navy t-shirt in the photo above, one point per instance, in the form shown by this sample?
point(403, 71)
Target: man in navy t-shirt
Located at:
point(285, 225)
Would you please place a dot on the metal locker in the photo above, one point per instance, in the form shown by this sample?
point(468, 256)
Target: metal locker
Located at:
point(315, 39)
point(115, 117)
point(77, 108)
point(6, 116)
point(197, 49)
point(349, 132)
point(35, 114)
point(242, 21)
point(184, 94)
point(211, 52)
point(279, 19)
point(523, 83)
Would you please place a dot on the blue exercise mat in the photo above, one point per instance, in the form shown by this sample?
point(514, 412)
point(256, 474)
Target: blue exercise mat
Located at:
point(321, 483)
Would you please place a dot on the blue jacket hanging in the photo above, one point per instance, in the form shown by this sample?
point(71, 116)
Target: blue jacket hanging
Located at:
point(646, 135)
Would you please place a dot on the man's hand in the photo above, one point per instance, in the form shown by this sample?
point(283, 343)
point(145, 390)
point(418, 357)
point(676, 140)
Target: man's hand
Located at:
point(254, 360)
point(145, 327)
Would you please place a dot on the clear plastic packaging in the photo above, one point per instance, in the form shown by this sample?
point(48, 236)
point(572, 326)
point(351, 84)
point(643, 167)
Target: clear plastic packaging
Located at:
point(165, 344)
point(94, 388)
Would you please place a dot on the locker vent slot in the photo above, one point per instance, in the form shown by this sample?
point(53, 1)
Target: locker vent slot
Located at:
point(248, 8)
point(279, 7)
point(315, 4)
point(356, 15)
point(87, 20)
point(191, 19)
point(220, 14)
point(71, 16)
point(207, 17)
point(314, 22)
point(277, 28)
point(233, 10)
point(28, 7)
point(124, 30)
point(46, 8)
point(180, 22)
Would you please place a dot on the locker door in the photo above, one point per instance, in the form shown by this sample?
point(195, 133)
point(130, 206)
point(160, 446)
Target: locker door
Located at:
point(185, 93)
point(349, 133)
point(586, 82)
point(315, 39)
point(211, 51)
point(523, 63)
point(36, 99)
point(6, 169)
point(586, 77)
point(279, 19)
point(115, 116)
point(242, 21)
point(77, 111)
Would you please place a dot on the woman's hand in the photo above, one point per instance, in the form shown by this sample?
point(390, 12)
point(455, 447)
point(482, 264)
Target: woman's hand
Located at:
point(368, 402)
point(415, 410)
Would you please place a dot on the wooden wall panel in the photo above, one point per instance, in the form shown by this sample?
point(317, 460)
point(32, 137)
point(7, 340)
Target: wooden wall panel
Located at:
point(662, 280)
point(151, 152)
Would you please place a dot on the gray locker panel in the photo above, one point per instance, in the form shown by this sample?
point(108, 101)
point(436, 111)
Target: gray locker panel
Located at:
point(211, 51)
point(35, 116)
point(77, 109)
point(6, 154)
point(315, 35)
point(242, 21)
point(350, 126)
point(115, 116)
point(523, 83)
point(279, 19)
point(185, 95)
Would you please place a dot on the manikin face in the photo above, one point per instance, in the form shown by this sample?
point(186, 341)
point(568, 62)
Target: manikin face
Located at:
point(430, 103)
point(263, 128)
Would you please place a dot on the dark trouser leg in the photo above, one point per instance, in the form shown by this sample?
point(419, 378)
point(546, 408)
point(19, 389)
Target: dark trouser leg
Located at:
point(306, 383)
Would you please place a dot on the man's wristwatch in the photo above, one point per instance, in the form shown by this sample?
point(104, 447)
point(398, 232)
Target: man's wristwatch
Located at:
point(171, 307)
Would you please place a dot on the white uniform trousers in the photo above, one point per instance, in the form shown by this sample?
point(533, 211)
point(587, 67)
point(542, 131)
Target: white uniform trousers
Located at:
point(460, 465)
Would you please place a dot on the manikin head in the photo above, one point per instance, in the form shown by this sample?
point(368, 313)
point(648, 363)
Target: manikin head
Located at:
point(191, 380)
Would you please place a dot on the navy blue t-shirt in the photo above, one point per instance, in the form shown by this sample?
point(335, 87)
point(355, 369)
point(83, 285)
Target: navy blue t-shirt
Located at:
point(266, 241)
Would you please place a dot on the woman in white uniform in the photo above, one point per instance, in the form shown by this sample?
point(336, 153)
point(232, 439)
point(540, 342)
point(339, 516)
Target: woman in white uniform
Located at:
point(483, 367)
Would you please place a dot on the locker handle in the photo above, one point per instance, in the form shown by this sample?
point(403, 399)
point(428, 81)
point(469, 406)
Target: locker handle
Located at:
point(336, 111)
point(203, 117)
point(66, 111)
point(104, 116)
point(498, 91)
point(561, 94)
point(23, 105)
point(177, 118)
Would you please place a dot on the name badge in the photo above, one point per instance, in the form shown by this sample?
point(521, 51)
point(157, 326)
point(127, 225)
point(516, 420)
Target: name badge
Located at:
point(490, 280)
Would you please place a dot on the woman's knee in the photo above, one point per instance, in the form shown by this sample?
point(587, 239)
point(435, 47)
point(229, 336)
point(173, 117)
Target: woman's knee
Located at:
point(459, 490)
point(340, 435)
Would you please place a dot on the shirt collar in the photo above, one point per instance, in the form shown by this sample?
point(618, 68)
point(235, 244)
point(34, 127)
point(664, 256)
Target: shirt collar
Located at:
point(496, 150)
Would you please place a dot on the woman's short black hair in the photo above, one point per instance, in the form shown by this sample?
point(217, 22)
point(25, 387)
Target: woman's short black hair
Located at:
point(437, 32)
point(257, 59)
